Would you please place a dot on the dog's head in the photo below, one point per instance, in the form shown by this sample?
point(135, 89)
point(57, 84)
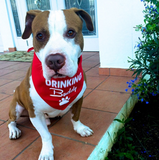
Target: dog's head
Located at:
point(57, 39)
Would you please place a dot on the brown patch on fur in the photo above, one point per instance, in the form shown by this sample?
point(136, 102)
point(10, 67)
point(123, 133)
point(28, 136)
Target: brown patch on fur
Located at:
point(37, 22)
point(85, 16)
point(76, 108)
point(22, 97)
point(74, 21)
point(28, 23)
point(40, 25)
point(85, 78)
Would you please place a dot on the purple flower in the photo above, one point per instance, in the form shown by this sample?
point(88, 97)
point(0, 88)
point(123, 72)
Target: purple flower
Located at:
point(138, 45)
point(132, 81)
point(126, 90)
point(129, 86)
point(153, 94)
point(147, 102)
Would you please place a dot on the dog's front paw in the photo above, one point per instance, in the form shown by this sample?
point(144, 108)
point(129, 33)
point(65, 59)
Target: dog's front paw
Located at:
point(46, 155)
point(14, 132)
point(81, 129)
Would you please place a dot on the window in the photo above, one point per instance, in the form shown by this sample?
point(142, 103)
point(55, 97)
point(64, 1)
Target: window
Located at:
point(16, 18)
point(38, 4)
point(89, 7)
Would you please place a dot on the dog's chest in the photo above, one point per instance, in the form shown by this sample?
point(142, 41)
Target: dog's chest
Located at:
point(41, 106)
point(57, 92)
point(57, 95)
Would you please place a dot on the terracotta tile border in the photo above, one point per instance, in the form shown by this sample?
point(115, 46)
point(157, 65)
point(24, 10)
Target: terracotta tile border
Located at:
point(12, 49)
point(115, 72)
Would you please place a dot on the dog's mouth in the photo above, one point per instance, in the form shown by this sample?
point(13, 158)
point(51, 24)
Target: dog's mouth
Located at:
point(58, 75)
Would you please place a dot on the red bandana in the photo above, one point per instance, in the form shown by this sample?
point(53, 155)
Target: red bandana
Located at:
point(57, 92)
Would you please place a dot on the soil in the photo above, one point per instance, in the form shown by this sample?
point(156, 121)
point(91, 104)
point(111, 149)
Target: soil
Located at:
point(145, 128)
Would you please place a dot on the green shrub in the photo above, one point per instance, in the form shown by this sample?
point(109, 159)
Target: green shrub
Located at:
point(146, 62)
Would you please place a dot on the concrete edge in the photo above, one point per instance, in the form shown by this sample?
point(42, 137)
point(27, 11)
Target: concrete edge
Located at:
point(107, 141)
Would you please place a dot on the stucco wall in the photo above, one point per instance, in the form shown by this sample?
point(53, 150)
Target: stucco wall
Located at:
point(117, 36)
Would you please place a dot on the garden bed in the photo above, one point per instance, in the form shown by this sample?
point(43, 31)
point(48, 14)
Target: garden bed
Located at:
point(139, 139)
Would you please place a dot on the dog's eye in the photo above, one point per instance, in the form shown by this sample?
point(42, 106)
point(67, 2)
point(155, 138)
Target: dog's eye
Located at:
point(40, 36)
point(71, 33)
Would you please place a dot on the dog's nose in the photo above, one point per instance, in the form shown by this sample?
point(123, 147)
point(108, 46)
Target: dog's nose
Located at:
point(55, 61)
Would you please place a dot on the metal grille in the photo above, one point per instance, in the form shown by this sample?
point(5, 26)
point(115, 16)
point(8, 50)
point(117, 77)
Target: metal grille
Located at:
point(16, 18)
point(38, 4)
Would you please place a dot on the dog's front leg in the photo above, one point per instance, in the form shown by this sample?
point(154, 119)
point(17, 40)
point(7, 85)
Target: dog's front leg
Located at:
point(79, 127)
point(47, 147)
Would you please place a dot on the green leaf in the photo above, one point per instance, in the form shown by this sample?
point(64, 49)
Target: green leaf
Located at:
point(156, 40)
point(128, 119)
point(121, 131)
point(118, 120)
point(138, 72)
point(144, 74)
point(128, 155)
point(129, 138)
point(121, 154)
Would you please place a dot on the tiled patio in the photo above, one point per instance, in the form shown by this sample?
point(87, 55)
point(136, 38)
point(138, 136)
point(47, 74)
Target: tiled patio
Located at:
point(103, 99)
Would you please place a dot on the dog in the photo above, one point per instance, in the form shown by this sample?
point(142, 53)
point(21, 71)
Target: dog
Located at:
point(55, 81)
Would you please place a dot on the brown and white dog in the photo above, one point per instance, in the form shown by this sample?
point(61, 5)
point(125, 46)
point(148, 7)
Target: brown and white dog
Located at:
point(58, 45)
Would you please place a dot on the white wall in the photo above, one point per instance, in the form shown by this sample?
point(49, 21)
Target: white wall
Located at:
point(91, 44)
point(117, 37)
point(6, 34)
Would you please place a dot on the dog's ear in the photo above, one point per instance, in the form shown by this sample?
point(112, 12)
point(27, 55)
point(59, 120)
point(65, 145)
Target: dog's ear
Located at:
point(85, 16)
point(28, 22)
